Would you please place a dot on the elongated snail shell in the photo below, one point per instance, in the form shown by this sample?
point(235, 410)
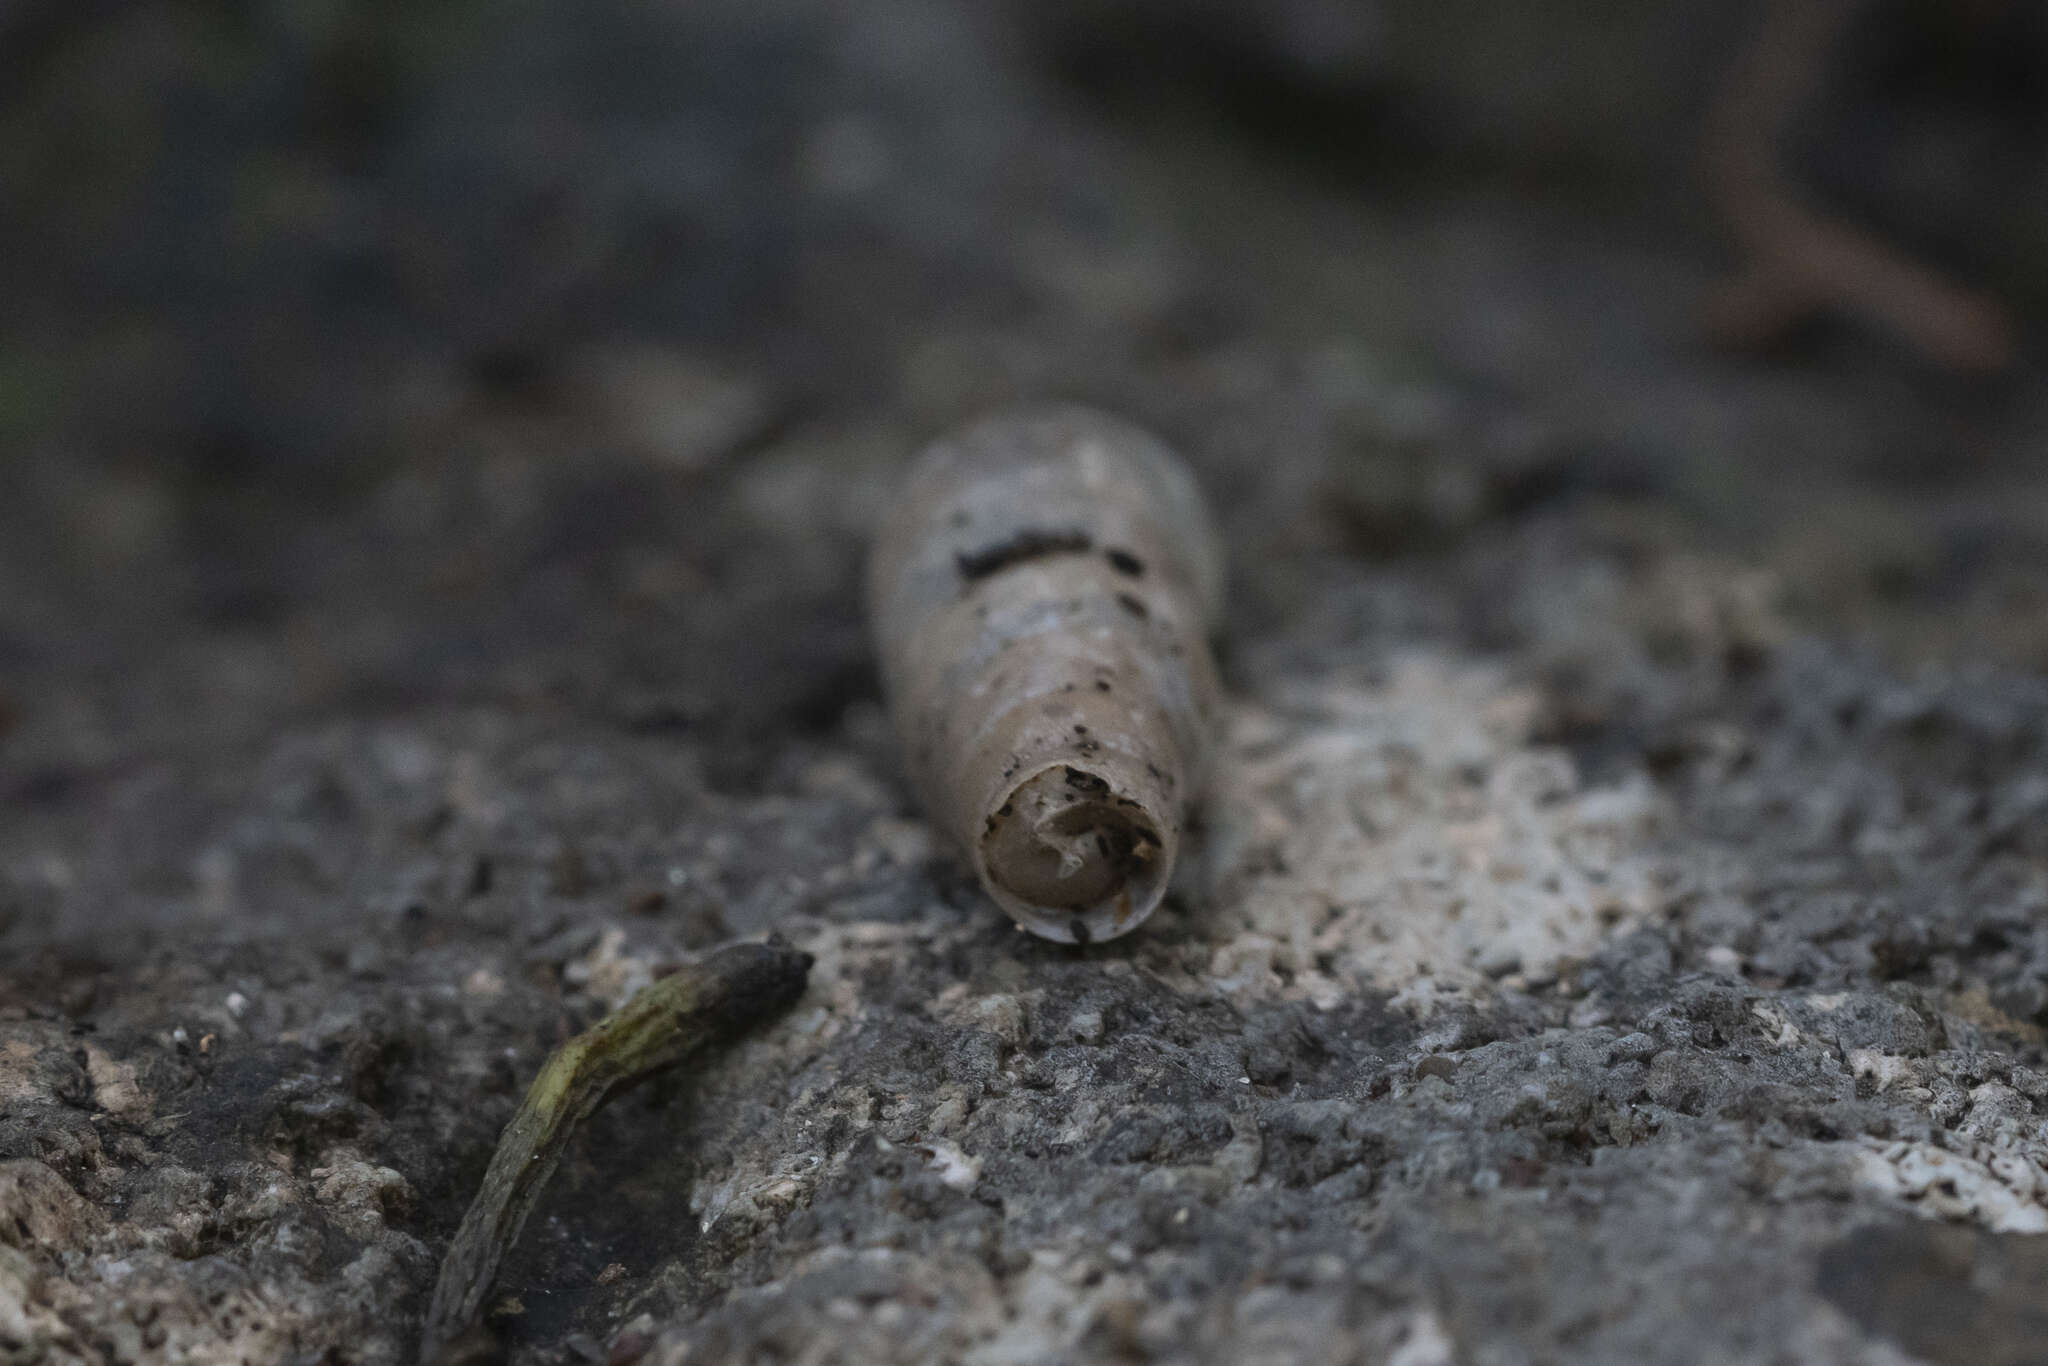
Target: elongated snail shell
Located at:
point(1042, 593)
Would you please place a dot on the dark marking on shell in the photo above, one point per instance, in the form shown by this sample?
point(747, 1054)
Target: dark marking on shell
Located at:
point(1029, 544)
point(1134, 605)
point(1086, 782)
point(1124, 562)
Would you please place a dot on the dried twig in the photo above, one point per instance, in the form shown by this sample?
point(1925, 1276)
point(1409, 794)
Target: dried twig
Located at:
point(1801, 260)
point(658, 1028)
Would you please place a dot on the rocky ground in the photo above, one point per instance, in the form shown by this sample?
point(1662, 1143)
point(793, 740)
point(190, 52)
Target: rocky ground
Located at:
point(438, 458)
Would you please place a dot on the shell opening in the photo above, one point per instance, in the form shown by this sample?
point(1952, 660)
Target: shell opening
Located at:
point(1072, 858)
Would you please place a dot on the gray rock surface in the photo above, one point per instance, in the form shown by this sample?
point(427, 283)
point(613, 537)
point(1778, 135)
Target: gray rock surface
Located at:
point(1619, 930)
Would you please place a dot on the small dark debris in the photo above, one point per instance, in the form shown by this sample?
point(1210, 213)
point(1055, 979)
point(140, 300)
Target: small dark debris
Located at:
point(1124, 562)
point(569, 873)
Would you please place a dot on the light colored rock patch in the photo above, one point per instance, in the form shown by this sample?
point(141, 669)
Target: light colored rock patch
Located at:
point(752, 1196)
point(842, 951)
point(1886, 1071)
point(847, 1306)
point(608, 972)
point(1055, 1303)
point(18, 1082)
point(669, 408)
point(1422, 1341)
point(2001, 1189)
point(1990, 1166)
point(29, 1318)
point(1066, 1303)
point(140, 1310)
point(1410, 837)
point(114, 1085)
point(359, 1194)
point(951, 1164)
point(40, 1212)
point(1993, 1172)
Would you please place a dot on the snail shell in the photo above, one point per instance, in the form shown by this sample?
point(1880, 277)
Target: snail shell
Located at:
point(1042, 592)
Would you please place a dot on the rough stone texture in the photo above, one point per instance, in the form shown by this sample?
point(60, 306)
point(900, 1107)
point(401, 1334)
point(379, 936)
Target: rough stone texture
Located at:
point(1621, 926)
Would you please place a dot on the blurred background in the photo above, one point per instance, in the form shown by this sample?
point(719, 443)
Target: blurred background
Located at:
point(372, 357)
